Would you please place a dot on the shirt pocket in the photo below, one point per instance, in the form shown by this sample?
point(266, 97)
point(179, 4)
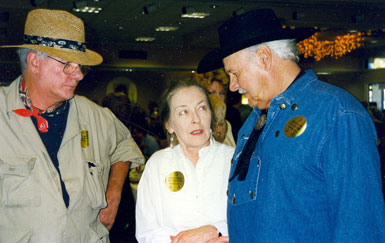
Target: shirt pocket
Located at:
point(95, 188)
point(18, 185)
point(241, 192)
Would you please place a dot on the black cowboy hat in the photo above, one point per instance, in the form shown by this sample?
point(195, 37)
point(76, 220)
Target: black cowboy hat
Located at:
point(251, 28)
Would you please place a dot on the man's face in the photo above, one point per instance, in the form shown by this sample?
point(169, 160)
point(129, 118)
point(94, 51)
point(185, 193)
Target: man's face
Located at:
point(248, 75)
point(54, 83)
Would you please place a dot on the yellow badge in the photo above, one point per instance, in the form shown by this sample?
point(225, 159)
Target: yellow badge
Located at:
point(175, 181)
point(84, 139)
point(295, 126)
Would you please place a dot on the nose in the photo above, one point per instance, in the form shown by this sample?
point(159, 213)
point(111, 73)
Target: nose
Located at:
point(196, 118)
point(233, 83)
point(78, 75)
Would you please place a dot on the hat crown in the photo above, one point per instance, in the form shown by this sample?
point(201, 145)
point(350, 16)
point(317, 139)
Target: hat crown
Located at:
point(248, 26)
point(55, 24)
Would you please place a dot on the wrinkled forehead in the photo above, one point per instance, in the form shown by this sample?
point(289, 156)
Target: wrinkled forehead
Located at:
point(187, 96)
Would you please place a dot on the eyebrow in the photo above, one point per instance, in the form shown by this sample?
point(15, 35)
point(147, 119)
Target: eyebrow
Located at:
point(182, 106)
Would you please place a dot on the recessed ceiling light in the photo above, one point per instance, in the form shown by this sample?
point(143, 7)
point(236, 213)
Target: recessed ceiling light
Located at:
point(195, 15)
point(144, 39)
point(323, 73)
point(166, 28)
point(88, 9)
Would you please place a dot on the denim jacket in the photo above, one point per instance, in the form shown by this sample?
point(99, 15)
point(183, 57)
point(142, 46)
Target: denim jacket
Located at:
point(314, 175)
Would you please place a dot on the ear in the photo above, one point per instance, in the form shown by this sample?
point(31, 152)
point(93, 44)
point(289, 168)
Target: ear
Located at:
point(168, 128)
point(265, 57)
point(33, 62)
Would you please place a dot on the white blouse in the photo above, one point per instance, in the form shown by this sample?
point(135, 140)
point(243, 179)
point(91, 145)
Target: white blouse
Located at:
point(170, 202)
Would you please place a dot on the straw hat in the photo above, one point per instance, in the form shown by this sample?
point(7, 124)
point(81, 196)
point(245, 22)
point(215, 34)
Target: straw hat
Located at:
point(58, 33)
point(251, 28)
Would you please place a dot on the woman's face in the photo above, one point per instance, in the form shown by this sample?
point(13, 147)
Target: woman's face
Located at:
point(216, 88)
point(190, 118)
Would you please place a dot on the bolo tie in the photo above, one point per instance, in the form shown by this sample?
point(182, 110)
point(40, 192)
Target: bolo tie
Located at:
point(244, 160)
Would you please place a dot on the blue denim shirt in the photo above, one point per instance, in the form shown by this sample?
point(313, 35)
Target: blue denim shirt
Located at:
point(319, 186)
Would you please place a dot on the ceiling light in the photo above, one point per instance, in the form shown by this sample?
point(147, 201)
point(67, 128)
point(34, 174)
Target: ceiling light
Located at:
point(82, 6)
point(166, 28)
point(323, 73)
point(144, 39)
point(189, 12)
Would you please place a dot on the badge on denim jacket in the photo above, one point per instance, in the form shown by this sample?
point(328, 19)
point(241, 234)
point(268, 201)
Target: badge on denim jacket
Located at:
point(295, 126)
point(175, 181)
point(84, 139)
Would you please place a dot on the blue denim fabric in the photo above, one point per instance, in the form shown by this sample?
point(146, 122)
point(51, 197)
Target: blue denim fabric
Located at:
point(321, 186)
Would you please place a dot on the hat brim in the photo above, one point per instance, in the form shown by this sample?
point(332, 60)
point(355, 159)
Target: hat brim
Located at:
point(87, 58)
point(213, 60)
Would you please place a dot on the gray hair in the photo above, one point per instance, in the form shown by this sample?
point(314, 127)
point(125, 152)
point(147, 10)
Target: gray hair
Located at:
point(23, 52)
point(284, 49)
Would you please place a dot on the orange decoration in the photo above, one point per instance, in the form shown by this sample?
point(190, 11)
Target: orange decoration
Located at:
point(312, 47)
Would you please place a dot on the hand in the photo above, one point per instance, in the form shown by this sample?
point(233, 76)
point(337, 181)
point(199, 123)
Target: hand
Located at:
point(222, 239)
point(107, 215)
point(198, 235)
point(118, 174)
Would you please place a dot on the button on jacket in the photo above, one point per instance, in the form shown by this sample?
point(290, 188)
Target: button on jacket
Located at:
point(161, 212)
point(31, 203)
point(315, 173)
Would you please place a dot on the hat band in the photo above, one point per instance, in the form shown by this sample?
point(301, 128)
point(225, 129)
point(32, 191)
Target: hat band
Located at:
point(49, 42)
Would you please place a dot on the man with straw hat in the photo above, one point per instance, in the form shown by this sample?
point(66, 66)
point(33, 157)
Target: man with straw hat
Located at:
point(306, 167)
point(63, 159)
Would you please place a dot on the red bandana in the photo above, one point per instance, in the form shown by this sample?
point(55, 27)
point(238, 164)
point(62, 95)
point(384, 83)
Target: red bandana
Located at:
point(42, 123)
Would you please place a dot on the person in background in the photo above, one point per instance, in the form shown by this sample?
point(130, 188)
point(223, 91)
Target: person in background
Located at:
point(220, 129)
point(63, 158)
point(216, 84)
point(146, 142)
point(182, 192)
point(306, 167)
point(124, 226)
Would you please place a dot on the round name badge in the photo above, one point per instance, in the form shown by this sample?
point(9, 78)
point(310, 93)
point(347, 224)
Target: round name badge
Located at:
point(175, 181)
point(295, 126)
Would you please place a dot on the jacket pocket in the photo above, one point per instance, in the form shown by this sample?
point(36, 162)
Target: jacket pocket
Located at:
point(97, 233)
point(18, 187)
point(19, 235)
point(94, 185)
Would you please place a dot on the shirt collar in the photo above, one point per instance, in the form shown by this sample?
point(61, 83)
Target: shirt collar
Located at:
point(26, 99)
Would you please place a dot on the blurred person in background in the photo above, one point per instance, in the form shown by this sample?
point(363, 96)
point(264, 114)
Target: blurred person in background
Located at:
point(216, 83)
point(220, 129)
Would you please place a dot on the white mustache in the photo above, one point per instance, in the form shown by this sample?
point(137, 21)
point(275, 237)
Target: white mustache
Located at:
point(242, 91)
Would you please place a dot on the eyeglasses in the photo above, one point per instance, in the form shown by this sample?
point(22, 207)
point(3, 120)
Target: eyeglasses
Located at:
point(70, 67)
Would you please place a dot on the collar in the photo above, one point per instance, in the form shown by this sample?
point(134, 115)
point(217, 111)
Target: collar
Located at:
point(298, 85)
point(26, 100)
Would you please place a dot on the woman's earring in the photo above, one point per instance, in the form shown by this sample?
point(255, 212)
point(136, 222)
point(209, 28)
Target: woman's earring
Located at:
point(172, 140)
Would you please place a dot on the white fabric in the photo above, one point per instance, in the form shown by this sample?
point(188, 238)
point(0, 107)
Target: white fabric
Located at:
point(229, 139)
point(32, 208)
point(161, 213)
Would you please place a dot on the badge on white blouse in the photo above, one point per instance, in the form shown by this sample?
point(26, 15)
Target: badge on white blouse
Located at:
point(295, 126)
point(175, 181)
point(84, 139)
